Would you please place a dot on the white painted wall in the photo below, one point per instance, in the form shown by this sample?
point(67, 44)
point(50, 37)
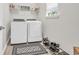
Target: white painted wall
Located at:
point(23, 14)
point(6, 24)
point(1, 37)
point(63, 30)
point(4, 12)
point(1, 24)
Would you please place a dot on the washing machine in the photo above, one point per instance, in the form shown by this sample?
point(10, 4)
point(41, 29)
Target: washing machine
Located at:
point(18, 31)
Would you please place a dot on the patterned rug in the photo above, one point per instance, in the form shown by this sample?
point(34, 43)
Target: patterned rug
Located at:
point(28, 49)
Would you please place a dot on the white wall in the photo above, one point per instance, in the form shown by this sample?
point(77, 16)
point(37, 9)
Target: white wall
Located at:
point(1, 31)
point(6, 23)
point(23, 14)
point(63, 30)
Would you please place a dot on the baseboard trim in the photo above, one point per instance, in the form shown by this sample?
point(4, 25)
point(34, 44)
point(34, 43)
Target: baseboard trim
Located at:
point(4, 48)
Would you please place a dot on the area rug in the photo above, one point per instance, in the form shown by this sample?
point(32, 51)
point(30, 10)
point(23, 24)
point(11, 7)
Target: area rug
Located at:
point(28, 49)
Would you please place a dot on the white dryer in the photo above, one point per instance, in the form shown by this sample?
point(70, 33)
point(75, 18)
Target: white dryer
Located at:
point(34, 31)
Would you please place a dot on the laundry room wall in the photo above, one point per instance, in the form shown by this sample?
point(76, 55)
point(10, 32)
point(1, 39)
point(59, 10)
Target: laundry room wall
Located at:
point(6, 24)
point(4, 12)
point(1, 31)
point(23, 14)
point(63, 30)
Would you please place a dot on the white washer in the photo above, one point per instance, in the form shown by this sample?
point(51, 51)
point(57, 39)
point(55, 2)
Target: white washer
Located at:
point(34, 31)
point(18, 32)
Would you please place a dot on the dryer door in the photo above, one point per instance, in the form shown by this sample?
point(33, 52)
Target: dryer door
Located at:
point(34, 31)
